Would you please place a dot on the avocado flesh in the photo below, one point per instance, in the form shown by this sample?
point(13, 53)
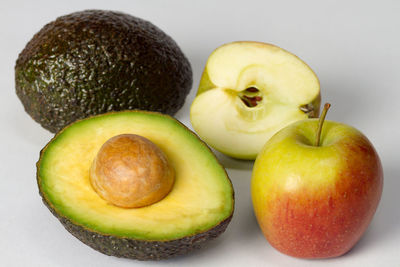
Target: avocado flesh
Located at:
point(95, 61)
point(197, 209)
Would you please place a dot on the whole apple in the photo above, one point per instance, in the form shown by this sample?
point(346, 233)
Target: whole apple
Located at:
point(315, 199)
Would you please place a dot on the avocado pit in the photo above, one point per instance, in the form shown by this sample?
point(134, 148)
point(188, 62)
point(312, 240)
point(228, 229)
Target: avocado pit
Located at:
point(130, 171)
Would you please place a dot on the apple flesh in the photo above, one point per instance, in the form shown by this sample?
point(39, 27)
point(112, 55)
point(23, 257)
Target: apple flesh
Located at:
point(316, 201)
point(248, 92)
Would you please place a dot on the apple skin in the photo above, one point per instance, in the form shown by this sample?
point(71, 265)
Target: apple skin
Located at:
point(316, 202)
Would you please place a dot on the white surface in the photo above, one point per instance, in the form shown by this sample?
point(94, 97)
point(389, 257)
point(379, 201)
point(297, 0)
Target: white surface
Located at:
point(353, 46)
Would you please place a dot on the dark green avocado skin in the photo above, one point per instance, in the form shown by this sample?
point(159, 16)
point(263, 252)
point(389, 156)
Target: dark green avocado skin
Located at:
point(139, 249)
point(95, 61)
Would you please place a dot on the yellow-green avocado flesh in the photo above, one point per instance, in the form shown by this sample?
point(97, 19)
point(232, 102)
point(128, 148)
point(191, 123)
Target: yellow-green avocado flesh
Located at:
point(198, 208)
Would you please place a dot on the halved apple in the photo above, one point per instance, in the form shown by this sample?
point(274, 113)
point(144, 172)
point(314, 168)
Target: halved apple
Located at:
point(248, 92)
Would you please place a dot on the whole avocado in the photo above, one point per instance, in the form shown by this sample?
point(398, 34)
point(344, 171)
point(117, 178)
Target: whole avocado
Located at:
point(95, 61)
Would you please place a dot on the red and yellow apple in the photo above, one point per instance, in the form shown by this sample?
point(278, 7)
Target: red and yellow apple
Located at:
point(249, 91)
point(316, 200)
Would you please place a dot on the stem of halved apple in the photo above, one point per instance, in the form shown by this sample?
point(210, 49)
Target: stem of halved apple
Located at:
point(321, 122)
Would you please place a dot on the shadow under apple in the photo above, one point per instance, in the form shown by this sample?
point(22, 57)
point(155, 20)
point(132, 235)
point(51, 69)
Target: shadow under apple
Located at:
point(234, 164)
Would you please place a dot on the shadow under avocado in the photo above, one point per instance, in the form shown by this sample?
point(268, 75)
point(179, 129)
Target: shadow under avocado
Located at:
point(24, 127)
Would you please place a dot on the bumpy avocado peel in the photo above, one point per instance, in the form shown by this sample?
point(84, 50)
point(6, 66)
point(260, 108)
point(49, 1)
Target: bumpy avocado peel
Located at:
point(95, 61)
point(138, 249)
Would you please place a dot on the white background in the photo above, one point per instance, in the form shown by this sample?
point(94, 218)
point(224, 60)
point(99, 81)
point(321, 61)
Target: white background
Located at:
point(353, 46)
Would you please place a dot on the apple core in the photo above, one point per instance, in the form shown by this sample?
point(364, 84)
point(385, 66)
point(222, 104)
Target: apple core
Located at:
point(251, 96)
point(130, 171)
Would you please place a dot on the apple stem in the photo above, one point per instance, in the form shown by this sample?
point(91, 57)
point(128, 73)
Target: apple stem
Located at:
point(321, 122)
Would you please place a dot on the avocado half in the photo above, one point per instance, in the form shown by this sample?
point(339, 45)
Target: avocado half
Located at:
point(97, 61)
point(198, 208)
